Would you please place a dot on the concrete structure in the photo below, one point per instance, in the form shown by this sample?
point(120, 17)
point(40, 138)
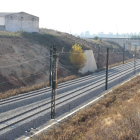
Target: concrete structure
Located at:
point(90, 63)
point(2, 20)
point(129, 42)
point(14, 22)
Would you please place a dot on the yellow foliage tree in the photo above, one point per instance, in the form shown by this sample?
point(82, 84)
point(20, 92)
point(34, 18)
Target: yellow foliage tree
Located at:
point(98, 41)
point(77, 57)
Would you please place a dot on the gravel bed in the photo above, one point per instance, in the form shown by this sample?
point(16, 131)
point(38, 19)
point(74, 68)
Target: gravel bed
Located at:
point(19, 129)
point(30, 100)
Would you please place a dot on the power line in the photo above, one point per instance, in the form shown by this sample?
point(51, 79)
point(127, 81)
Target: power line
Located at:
point(84, 53)
point(76, 65)
point(98, 82)
point(62, 67)
point(114, 57)
point(20, 78)
point(70, 52)
point(23, 62)
point(20, 56)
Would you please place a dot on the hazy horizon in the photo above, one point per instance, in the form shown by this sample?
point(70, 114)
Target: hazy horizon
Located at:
point(76, 16)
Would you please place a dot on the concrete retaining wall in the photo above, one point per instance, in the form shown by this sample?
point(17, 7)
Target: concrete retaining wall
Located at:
point(128, 43)
point(90, 63)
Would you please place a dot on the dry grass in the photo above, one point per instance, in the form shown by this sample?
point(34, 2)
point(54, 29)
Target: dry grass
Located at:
point(119, 63)
point(25, 89)
point(115, 117)
point(116, 64)
point(22, 90)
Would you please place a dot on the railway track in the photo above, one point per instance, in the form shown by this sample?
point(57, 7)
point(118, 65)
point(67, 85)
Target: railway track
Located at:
point(62, 85)
point(66, 97)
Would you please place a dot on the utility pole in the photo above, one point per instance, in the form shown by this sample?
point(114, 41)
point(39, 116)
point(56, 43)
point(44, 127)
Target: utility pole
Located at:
point(54, 82)
point(106, 85)
point(135, 60)
point(70, 29)
point(98, 55)
point(50, 79)
point(123, 52)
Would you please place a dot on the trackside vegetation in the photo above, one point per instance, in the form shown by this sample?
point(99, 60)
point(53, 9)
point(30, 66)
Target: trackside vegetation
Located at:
point(46, 38)
point(25, 89)
point(114, 117)
point(77, 57)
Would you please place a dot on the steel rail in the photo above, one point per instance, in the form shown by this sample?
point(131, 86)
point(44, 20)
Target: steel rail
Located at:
point(57, 103)
point(43, 90)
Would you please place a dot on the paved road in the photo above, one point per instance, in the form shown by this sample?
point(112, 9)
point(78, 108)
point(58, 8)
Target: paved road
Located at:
point(69, 95)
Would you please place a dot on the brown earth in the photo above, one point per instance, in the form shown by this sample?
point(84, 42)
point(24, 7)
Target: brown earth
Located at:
point(14, 51)
point(16, 48)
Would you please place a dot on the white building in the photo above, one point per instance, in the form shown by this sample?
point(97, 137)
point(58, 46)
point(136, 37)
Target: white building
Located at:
point(14, 22)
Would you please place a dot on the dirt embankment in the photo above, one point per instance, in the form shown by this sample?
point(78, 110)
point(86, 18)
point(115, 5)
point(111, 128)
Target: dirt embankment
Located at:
point(20, 64)
point(115, 52)
point(23, 63)
point(23, 58)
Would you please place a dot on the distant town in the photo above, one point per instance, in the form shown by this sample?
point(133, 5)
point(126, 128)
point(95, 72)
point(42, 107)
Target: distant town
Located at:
point(110, 34)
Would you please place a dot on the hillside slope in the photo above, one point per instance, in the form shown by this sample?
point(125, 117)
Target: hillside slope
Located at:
point(24, 57)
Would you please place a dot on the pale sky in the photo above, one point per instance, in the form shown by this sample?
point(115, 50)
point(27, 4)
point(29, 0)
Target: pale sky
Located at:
point(81, 15)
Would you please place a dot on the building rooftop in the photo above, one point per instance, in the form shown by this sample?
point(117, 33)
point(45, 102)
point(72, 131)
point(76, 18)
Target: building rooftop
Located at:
point(2, 14)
